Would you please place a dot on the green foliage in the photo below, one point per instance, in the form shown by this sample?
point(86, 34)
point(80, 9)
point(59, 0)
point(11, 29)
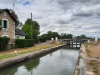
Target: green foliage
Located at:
point(78, 37)
point(92, 64)
point(28, 21)
point(48, 36)
point(0, 24)
point(83, 36)
point(16, 17)
point(22, 43)
point(35, 24)
point(3, 43)
point(17, 21)
point(43, 38)
point(66, 36)
point(27, 29)
point(95, 71)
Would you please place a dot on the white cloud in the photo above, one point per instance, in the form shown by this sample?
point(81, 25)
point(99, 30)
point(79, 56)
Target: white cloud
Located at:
point(64, 16)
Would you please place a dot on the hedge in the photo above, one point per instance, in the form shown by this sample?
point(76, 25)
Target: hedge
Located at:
point(3, 43)
point(22, 43)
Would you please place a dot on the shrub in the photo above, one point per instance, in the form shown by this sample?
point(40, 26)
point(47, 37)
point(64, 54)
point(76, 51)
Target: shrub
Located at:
point(3, 43)
point(22, 43)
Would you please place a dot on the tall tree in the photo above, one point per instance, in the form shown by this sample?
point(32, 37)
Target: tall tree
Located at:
point(27, 29)
point(35, 24)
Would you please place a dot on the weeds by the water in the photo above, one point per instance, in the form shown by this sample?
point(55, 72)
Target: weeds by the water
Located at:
point(93, 64)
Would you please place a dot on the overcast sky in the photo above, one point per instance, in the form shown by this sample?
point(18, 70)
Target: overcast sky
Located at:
point(64, 16)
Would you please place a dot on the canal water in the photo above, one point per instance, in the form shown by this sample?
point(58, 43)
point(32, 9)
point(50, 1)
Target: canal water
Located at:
point(59, 62)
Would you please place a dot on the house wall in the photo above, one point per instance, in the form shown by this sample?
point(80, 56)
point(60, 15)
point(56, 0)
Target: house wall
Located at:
point(20, 37)
point(10, 32)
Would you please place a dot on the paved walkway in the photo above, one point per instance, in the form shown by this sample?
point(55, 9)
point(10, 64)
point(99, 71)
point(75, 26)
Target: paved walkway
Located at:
point(45, 43)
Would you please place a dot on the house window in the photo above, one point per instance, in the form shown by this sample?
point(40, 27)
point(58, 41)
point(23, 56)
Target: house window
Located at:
point(17, 37)
point(4, 13)
point(5, 23)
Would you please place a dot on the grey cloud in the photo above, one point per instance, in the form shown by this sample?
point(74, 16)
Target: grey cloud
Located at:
point(64, 16)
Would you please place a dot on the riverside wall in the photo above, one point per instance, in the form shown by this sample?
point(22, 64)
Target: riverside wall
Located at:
point(80, 65)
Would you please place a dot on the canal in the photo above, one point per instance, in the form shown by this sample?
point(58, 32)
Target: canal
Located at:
point(59, 62)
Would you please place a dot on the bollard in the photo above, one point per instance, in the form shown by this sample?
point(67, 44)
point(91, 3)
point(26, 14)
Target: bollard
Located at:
point(15, 52)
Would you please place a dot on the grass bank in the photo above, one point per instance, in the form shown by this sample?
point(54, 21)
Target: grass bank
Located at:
point(10, 53)
point(93, 51)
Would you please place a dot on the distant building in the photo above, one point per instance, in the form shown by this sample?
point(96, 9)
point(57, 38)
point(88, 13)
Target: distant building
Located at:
point(7, 22)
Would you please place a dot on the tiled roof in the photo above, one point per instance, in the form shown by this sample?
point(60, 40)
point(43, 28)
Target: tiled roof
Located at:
point(1, 10)
point(19, 32)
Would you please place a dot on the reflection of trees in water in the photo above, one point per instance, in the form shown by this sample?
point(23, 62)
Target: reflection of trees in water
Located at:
point(30, 65)
point(10, 71)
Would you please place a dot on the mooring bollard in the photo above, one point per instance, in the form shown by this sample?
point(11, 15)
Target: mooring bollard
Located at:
point(15, 52)
point(50, 45)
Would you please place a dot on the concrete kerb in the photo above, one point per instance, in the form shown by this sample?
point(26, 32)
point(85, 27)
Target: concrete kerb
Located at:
point(15, 60)
point(81, 67)
point(77, 69)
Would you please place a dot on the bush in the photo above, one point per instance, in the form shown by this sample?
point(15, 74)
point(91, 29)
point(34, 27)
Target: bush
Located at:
point(3, 43)
point(22, 43)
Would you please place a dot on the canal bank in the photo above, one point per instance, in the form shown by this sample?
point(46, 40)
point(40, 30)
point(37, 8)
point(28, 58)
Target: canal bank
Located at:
point(82, 67)
point(15, 60)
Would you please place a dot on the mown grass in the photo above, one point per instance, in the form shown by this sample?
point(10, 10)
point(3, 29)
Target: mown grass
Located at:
point(87, 50)
point(9, 54)
point(6, 56)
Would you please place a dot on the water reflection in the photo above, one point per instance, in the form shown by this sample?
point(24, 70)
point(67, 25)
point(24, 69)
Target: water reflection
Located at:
point(60, 62)
point(32, 64)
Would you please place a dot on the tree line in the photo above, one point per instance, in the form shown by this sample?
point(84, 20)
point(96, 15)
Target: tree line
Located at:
point(50, 34)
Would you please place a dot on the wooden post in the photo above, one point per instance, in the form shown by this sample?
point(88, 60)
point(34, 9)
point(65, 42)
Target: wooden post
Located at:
point(31, 28)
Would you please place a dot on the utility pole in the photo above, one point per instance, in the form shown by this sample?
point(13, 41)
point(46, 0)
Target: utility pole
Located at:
point(31, 28)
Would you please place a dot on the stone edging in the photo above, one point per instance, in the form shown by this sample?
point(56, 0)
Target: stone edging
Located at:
point(14, 60)
point(77, 71)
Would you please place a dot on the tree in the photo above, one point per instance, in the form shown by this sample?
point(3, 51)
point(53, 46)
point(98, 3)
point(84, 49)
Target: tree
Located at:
point(48, 36)
point(27, 29)
point(17, 20)
point(43, 38)
point(83, 36)
point(34, 23)
point(16, 17)
point(66, 36)
point(0, 25)
point(78, 37)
